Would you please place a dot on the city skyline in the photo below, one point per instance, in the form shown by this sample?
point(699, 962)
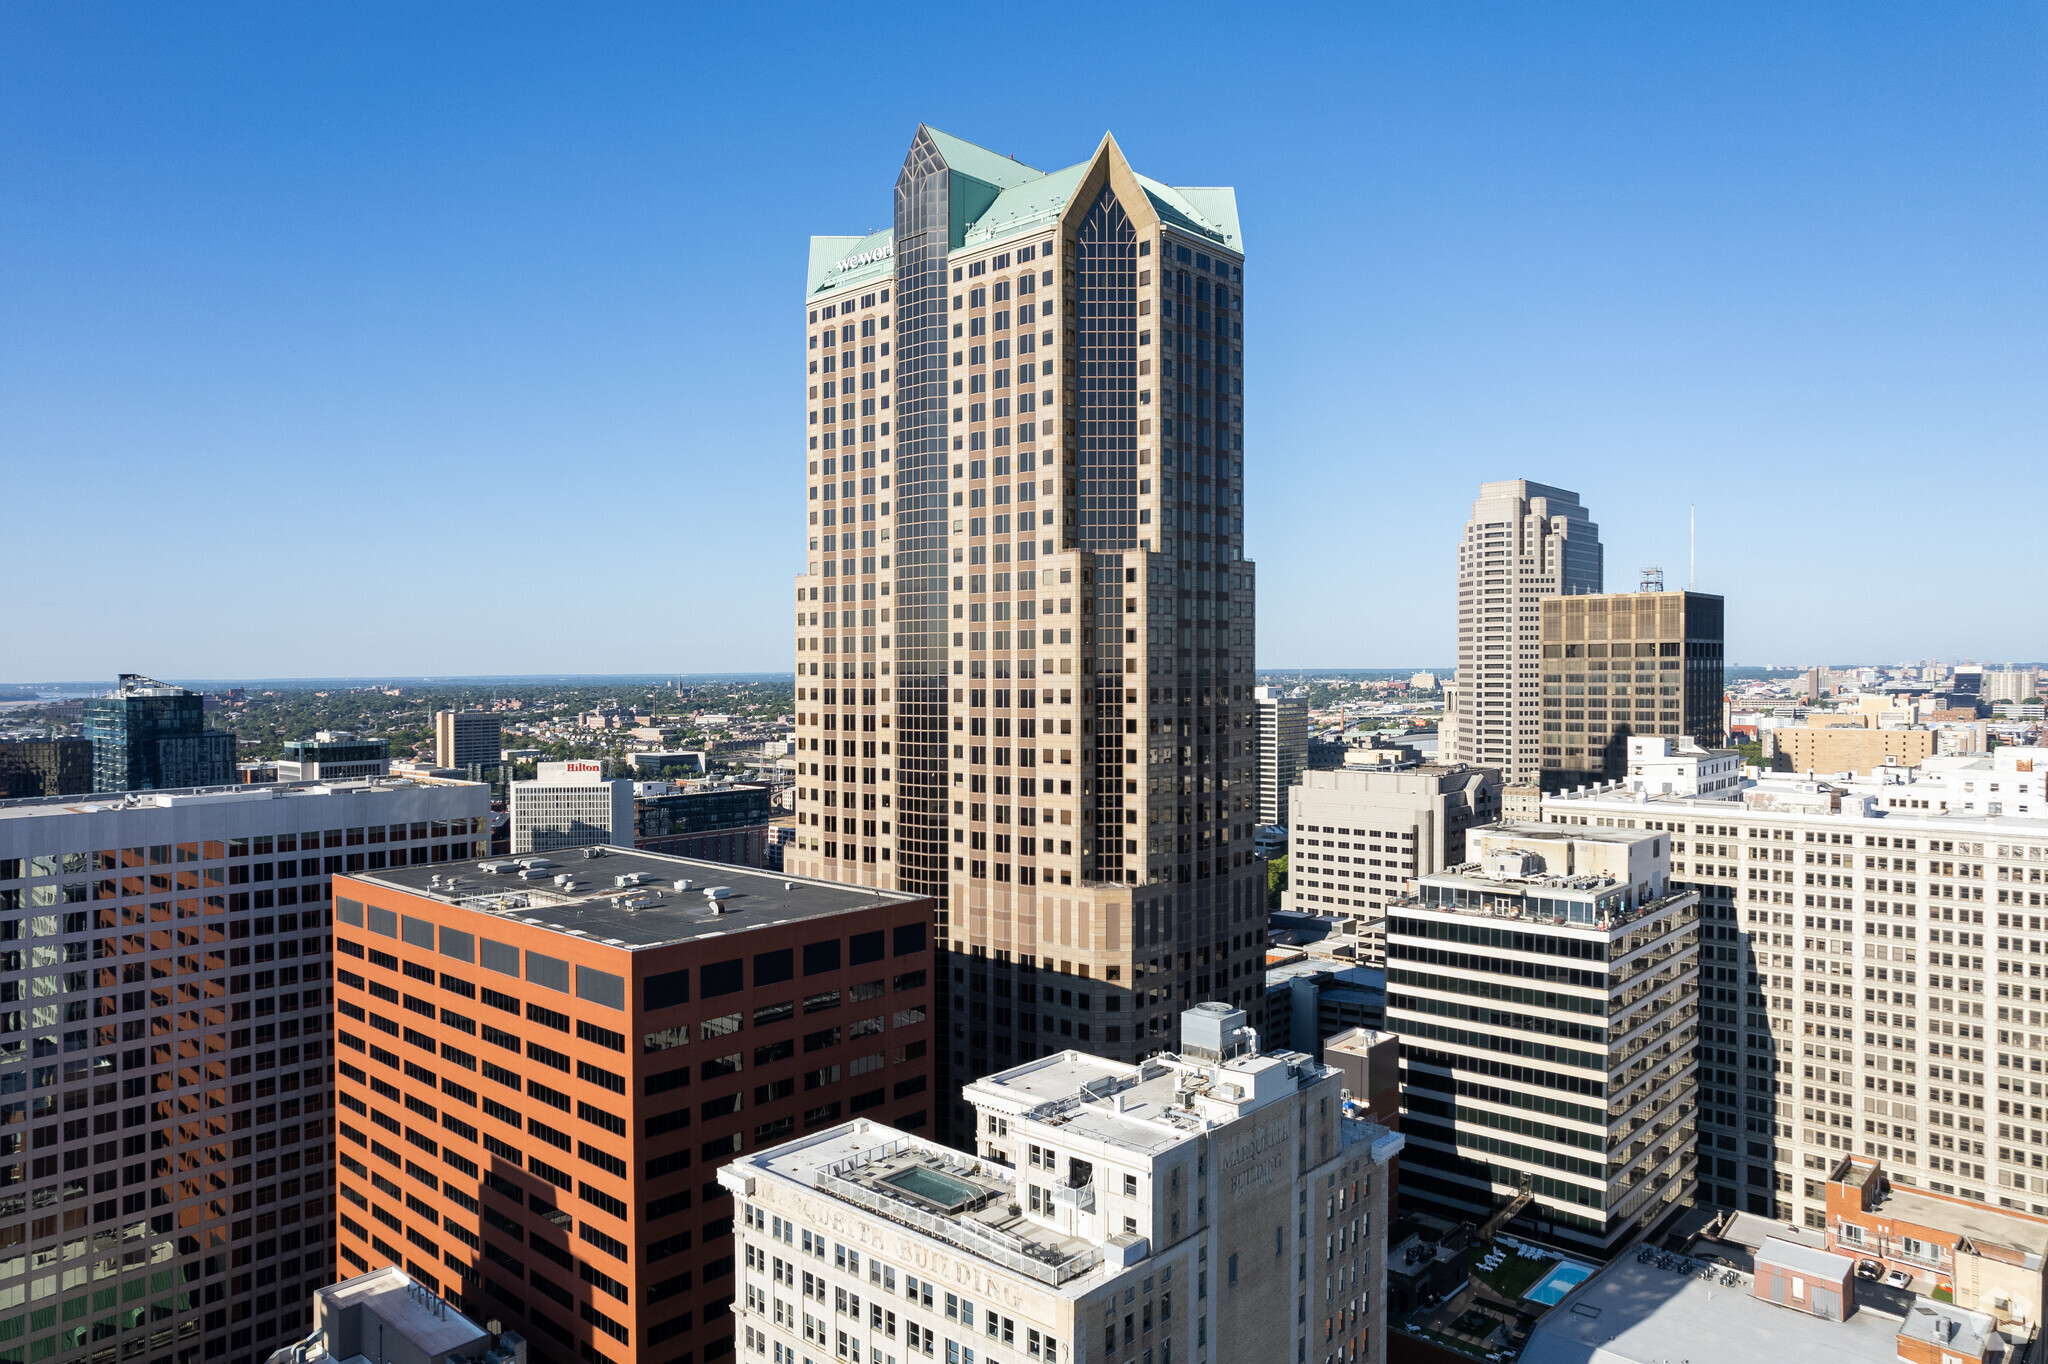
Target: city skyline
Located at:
point(1786, 261)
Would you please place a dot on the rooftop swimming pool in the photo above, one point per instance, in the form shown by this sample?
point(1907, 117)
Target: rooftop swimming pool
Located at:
point(1562, 1279)
point(940, 1190)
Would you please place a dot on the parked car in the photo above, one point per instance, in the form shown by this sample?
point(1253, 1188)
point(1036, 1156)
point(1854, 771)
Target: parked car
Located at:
point(1899, 1278)
point(1869, 1269)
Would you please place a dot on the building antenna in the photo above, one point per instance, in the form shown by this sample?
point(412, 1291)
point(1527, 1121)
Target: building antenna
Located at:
point(1692, 546)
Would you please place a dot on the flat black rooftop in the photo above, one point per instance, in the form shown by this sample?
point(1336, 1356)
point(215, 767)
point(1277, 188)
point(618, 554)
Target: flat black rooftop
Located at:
point(654, 912)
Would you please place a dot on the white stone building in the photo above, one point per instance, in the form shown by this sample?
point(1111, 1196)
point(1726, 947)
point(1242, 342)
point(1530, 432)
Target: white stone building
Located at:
point(1210, 1206)
point(1872, 959)
point(571, 805)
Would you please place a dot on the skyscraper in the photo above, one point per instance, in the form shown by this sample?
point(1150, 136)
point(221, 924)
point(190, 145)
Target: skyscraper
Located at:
point(1622, 663)
point(1024, 670)
point(1525, 541)
point(149, 736)
point(1283, 749)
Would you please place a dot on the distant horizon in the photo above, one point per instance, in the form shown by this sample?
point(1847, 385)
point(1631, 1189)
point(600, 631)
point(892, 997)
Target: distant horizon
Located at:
point(701, 679)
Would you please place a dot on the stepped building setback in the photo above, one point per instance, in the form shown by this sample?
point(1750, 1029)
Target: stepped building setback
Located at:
point(1024, 622)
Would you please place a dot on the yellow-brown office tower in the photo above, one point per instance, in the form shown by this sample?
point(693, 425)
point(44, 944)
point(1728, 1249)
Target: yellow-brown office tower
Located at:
point(1024, 621)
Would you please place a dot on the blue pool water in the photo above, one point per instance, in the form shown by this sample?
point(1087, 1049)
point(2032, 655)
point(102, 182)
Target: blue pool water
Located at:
point(1561, 1280)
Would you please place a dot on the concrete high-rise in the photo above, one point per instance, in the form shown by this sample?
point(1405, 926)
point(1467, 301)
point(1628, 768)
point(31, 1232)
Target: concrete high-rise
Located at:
point(165, 1059)
point(1524, 542)
point(1360, 838)
point(1283, 749)
point(149, 736)
point(1623, 663)
point(1602, 1055)
point(1024, 622)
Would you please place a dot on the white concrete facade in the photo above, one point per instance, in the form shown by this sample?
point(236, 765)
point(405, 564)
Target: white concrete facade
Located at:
point(1283, 749)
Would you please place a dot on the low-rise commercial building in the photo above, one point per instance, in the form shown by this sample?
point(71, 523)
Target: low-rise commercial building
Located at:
point(1214, 1204)
point(1985, 1259)
point(1786, 1301)
point(332, 756)
point(1359, 839)
point(542, 1066)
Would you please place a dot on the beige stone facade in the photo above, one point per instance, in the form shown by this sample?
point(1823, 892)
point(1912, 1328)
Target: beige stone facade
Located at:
point(1525, 541)
point(1024, 623)
point(1843, 744)
point(1360, 838)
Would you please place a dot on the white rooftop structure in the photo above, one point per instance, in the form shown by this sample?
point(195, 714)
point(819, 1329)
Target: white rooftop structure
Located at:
point(1666, 1309)
point(386, 1317)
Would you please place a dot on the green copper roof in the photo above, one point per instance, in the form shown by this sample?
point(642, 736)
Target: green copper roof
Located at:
point(996, 197)
point(964, 158)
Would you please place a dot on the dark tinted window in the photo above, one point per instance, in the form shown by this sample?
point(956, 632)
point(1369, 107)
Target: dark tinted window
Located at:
point(865, 947)
point(666, 990)
point(909, 939)
point(721, 978)
point(772, 968)
point(820, 957)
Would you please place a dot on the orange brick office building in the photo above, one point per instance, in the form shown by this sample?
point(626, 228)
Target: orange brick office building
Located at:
point(542, 1064)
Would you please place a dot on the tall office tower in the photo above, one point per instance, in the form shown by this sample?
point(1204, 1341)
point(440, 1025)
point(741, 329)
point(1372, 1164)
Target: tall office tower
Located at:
point(465, 739)
point(1603, 1052)
point(147, 736)
point(164, 1126)
point(1283, 749)
point(45, 767)
point(1623, 663)
point(583, 1047)
point(1218, 1204)
point(1024, 624)
point(1525, 541)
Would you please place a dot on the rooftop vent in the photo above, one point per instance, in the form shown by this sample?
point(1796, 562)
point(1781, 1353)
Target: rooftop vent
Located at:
point(1215, 1031)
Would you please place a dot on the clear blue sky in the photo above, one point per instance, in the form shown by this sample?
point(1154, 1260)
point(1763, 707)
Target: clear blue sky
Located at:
point(361, 339)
